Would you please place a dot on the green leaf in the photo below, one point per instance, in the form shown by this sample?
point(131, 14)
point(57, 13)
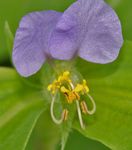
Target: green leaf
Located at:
point(123, 9)
point(46, 134)
point(20, 108)
point(9, 38)
point(111, 87)
point(77, 141)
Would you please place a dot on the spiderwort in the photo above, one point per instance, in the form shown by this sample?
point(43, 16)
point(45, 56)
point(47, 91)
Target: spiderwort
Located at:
point(89, 29)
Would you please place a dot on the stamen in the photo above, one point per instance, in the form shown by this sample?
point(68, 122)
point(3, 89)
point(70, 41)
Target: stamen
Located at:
point(72, 94)
point(57, 121)
point(64, 77)
point(65, 114)
point(91, 112)
point(54, 86)
point(82, 88)
point(78, 110)
point(84, 107)
point(80, 115)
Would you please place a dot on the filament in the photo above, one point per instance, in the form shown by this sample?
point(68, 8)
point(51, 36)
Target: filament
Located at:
point(78, 110)
point(80, 115)
point(57, 121)
point(91, 112)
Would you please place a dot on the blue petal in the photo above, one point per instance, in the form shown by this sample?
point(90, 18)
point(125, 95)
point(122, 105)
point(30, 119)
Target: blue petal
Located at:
point(31, 41)
point(102, 37)
point(89, 28)
point(65, 37)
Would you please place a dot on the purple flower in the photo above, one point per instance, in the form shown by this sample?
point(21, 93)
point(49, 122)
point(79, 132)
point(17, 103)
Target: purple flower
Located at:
point(88, 28)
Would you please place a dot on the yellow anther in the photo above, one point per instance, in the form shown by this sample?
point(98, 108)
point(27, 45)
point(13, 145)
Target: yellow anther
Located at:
point(66, 73)
point(57, 83)
point(78, 88)
point(64, 77)
point(70, 95)
point(82, 87)
point(85, 87)
point(54, 86)
point(49, 87)
point(64, 90)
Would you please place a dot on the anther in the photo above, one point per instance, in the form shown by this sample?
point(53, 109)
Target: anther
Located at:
point(84, 107)
point(65, 114)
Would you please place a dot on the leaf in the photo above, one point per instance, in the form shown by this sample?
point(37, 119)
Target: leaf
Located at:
point(77, 141)
point(123, 9)
point(9, 38)
point(111, 87)
point(46, 134)
point(20, 108)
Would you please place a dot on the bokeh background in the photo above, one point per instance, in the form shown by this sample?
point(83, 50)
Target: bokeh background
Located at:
point(12, 11)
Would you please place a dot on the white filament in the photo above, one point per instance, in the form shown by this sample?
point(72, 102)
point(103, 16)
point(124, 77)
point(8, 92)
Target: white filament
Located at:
point(57, 121)
point(91, 112)
point(78, 110)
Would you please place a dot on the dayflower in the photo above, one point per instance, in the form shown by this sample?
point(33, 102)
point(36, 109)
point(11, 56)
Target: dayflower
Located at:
point(89, 29)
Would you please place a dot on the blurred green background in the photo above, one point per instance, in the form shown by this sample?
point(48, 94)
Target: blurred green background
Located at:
point(12, 11)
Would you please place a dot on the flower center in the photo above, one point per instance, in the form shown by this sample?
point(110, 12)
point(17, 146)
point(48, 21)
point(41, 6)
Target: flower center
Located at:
point(72, 93)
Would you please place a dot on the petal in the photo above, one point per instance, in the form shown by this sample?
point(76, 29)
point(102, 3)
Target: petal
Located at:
point(31, 41)
point(102, 39)
point(65, 37)
point(90, 28)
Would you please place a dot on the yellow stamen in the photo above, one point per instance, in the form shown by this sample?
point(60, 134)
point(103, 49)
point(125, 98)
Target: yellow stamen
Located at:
point(57, 83)
point(64, 77)
point(54, 86)
point(64, 90)
point(71, 95)
point(83, 88)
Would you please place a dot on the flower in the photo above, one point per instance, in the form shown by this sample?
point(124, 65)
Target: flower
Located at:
point(88, 28)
